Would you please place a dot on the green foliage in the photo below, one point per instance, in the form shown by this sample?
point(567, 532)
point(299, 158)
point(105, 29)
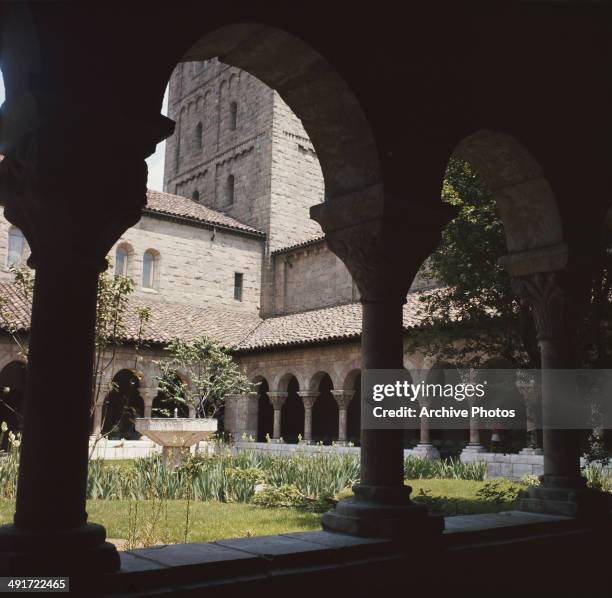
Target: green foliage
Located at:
point(500, 491)
point(598, 478)
point(416, 468)
point(9, 463)
point(212, 371)
point(477, 306)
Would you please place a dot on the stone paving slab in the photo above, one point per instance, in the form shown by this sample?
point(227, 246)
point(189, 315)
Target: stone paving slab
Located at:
point(487, 521)
point(282, 550)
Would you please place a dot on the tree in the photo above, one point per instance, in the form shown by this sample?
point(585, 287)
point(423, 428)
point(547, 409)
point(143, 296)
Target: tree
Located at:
point(113, 311)
point(110, 333)
point(474, 316)
point(212, 373)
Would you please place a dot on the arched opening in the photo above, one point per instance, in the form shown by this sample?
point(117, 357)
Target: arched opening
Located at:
point(507, 225)
point(324, 411)
point(233, 120)
point(198, 137)
point(150, 269)
point(265, 411)
point(229, 191)
point(12, 387)
point(16, 248)
point(171, 403)
point(292, 413)
point(121, 406)
point(123, 259)
point(195, 195)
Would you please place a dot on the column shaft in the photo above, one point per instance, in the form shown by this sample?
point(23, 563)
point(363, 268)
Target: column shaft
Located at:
point(52, 484)
point(382, 451)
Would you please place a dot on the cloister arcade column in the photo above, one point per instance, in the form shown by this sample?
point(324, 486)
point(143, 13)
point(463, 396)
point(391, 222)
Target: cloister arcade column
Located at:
point(148, 395)
point(308, 398)
point(383, 242)
point(70, 224)
point(530, 392)
point(277, 398)
point(343, 399)
point(562, 490)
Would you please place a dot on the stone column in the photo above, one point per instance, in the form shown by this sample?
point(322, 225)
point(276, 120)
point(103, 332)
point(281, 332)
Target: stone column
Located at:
point(383, 242)
point(473, 447)
point(244, 410)
point(71, 225)
point(530, 392)
point(97, 420)
point(562, 490)
point(308, 398)
point(425, 449)
point(277, 399)
point(343, 399)
point(148, 395)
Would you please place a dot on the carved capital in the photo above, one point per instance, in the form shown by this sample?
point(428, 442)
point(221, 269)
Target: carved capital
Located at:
point(72, 188)
point(308, 397)
point(277, 399)
point(542, 295)
point(343, 398)
point(381, 240)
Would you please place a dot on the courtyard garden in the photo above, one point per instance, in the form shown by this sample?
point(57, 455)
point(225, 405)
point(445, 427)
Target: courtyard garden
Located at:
point(143, 502)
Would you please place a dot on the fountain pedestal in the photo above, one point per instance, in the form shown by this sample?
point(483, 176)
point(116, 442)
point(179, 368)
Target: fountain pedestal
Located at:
point(176, 435)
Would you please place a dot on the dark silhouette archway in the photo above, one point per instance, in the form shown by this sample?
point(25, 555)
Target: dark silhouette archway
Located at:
point(122, 406)
point(292, 414)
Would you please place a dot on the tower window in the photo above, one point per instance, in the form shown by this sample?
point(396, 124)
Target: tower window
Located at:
point(150, 269)
point(16, 243)
point(123, 257)
point(238, 278)
point(229, 190)
point(233, 116)
point(197, 137)
point(195, 195)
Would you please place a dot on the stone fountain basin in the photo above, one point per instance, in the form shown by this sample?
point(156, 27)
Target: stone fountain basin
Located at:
point(176, 431)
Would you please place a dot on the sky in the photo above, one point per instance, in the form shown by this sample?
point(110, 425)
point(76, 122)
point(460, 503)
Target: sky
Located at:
point(155, 162)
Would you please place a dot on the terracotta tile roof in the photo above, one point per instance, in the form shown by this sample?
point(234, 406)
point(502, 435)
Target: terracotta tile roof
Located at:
point(340, 322)
point(304, 243)
point(175, 205)
point(15, 309)
point(171, 320)
point(168, 320)
point(240, 330)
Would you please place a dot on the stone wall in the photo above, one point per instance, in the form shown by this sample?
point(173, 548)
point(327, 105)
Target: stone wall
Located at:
point(296, 180)
point(202, 93)
point(310, 277)
point(196, 264)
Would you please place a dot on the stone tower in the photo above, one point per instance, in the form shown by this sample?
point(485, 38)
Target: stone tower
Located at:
point(239, 149)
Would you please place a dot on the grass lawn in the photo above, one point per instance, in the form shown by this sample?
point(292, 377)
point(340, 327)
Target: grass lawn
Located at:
point(207, 520)
point(151, 522)
point(450, 497)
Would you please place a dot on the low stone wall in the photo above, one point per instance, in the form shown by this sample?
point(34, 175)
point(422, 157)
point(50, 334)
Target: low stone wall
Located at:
point(510, 466)
point(123, 449)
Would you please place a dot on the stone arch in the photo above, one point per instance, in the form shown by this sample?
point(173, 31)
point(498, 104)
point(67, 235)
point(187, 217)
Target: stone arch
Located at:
point(124, 259)
point(265, 411)
point(122, 405)
point(12, 388)
point(292, 413)
point(315, 92)
point(525, 199)
point(324, 410)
